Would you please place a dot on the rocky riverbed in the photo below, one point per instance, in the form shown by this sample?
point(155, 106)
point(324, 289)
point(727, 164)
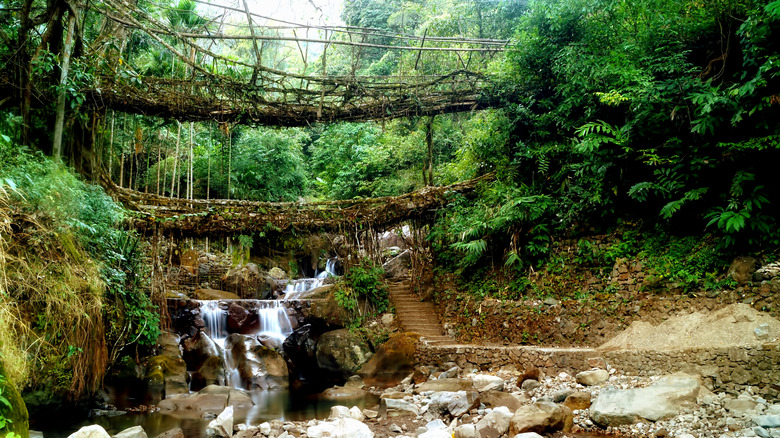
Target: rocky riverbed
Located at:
point(509, 402)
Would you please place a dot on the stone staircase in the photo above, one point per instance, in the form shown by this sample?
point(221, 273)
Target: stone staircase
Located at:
point(417, 316)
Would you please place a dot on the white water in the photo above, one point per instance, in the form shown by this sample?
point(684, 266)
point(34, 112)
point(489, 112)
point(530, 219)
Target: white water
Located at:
point(299, 289)
point(274, 323)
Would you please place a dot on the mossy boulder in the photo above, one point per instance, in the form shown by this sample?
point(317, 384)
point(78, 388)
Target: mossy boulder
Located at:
point(18, 416)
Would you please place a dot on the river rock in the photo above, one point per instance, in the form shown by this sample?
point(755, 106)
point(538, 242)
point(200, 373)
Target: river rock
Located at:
point(540, 417)
point(592, 377)
point(342, 352)
point(165, 376)
point(529, 373)
point(214, 294)
point(198, 349)
point(392, 362)
point(465, 431)
point(301, 348)
point(739, 406)
point(93, 431)
point(173, 433)
point(212, 398)
point(578, 400)
point(767, 421)
point(276, 375)
point(240, 320)
point(528, 435)
point(222, 426)
point(343, 393)
point(455, 403)
point(339, 428)
point(486, 382)
point(446, 384)
point(663, 399)
point(494, 424)
point(398, 266)
point(211, 372)
point(339, 411)
point(132, 432)
point(495, 399)
point(389, 407)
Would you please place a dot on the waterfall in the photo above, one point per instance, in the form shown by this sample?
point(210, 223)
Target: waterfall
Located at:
point(299, 289)
point(273, 323)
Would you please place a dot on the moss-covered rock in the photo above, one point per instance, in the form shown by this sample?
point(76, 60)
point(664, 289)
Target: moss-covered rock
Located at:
point(17, 416)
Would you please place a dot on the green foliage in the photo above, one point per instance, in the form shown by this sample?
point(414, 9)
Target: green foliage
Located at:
point(362, 292)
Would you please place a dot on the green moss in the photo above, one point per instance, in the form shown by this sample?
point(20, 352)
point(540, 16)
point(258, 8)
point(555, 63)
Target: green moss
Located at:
point(17, 416)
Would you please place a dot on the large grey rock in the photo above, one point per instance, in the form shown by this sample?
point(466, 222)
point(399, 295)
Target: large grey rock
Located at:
point(767, 421)
point(340, 428)
point(398, 266)
point(455, 403)
point(389, 407)
point(486, 382)
point(132, 432)
point(592, 377)
point(494, 424)
point(342, 352)
point(663, 399)
point(222, 426)
point(93, 431)
point(445, 384)
point(540, 417)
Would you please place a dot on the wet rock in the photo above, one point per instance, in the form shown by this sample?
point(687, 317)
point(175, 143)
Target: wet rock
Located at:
point(392, 362)
point(212, 398)
point(389, 407)
point(132, 432)
point(214, 294)
point(173, 433)
point(301, 348)
point(165, 376)
point(340, 428)
point(240, 320)
point(343, 393)
point(342, 352)
point(93, 431)
point(540, 417)
point(663, 399)
point(211, 372)
point(198, 349)
point(494, 424)
point(222, 426)
point(445, 384)
point(592, 377)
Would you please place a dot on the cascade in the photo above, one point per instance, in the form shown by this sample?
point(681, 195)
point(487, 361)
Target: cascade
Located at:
point(273, 323)
point(298, 289)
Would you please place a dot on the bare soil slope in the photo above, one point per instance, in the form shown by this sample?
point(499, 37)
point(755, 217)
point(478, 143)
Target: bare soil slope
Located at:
point(732, 326)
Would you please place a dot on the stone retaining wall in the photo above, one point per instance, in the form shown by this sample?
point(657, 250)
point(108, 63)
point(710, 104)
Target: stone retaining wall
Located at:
point(729, 370)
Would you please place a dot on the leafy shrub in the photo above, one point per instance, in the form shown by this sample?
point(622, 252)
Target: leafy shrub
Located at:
point(362, 292)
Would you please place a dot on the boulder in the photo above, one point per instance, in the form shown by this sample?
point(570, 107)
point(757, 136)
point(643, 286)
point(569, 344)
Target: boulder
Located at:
point(454, 403)
point(739, 406)
point(528, 435)
point(198, 349)
point(240, 320)
point(222, 426)
point(465, 431)
point(214, 294)
point(592, 377)
point(663, 399)
point(389, 407)
point(16, 409)
point(173, 433)
point(168, 344)
point(339, 428)
point(529, 373)
point(486, 382)
point(342, 352)
point(445, 384)
point(398, 266)
point(494, 424)
point(275, 374)
point(165, 376)
point(212, 398)
point(132, 432)
point(246, 281)
point(339, 411)
point(742, 268)
point(578, 400)
point(495, 399)
point(540, 417)
point(211, 372)
point(392, 362)
point(93, 431)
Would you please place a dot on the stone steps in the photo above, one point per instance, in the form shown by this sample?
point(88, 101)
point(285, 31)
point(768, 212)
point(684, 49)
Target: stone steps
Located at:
point(417, 316)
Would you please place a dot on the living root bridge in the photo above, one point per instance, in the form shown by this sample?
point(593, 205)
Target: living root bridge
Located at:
point(220, 217)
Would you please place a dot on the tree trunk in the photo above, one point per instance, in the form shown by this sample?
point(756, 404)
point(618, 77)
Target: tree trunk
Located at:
point(175, 158)
point(428, 179)
point(60, 120)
